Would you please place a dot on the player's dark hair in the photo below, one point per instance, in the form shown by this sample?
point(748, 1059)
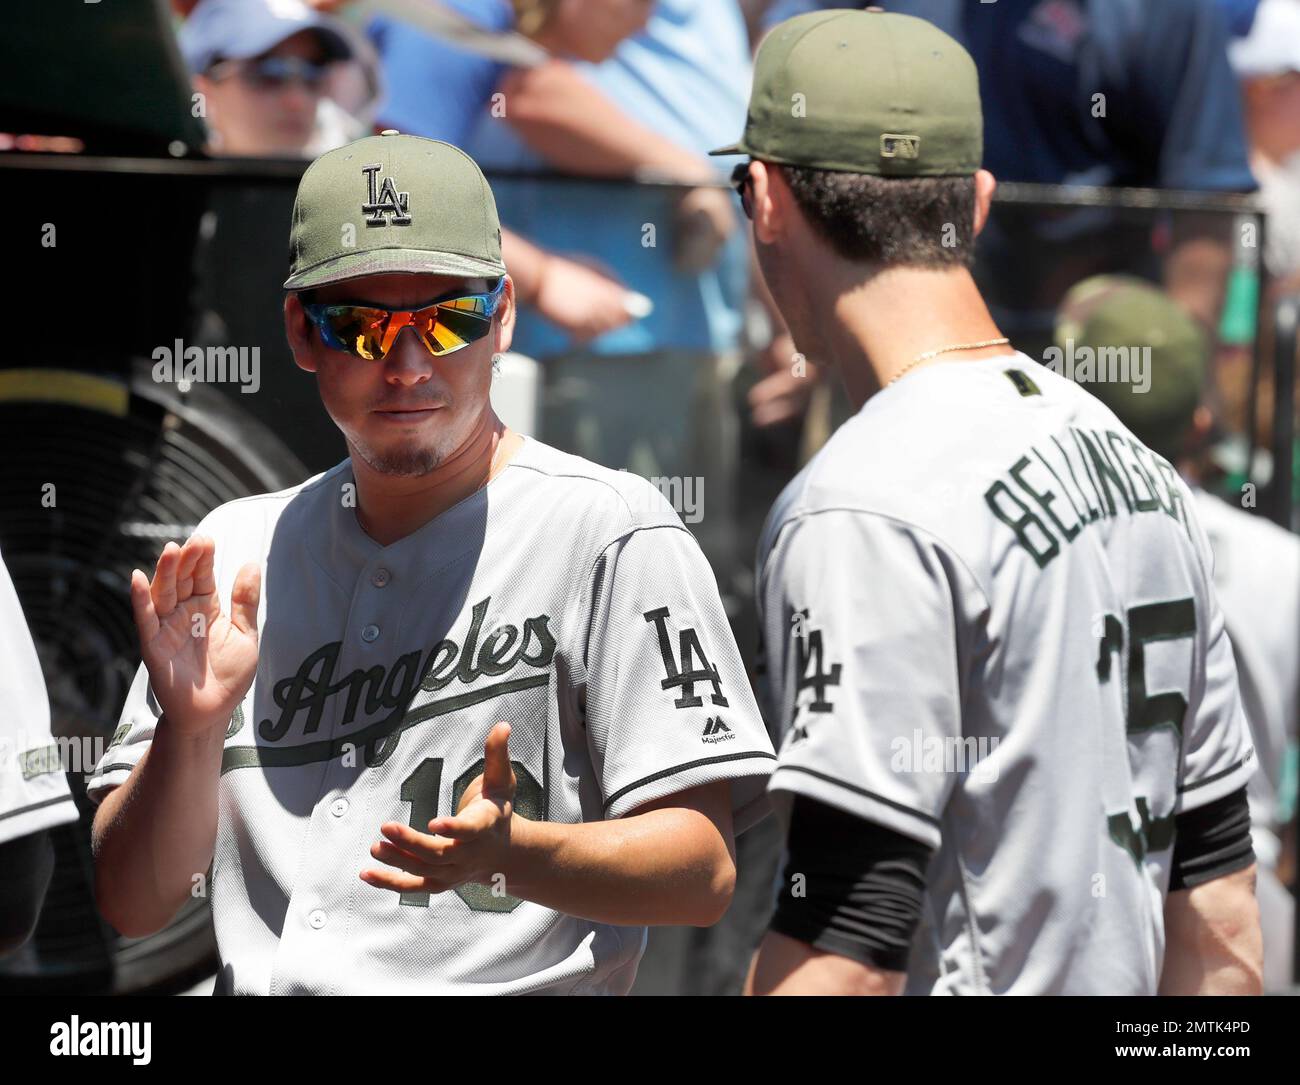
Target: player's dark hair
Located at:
point(926, 222)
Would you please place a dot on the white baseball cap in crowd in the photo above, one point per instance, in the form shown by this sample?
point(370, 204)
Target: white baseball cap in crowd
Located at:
point(240, 29)
point(1273, 45)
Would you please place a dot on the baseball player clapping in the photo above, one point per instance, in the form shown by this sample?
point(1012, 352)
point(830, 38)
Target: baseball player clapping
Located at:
point(462, 714)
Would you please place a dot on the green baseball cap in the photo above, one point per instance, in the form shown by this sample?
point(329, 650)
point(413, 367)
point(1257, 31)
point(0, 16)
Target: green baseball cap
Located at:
point(866, 92)
point(393, 203)
point(1109, 311)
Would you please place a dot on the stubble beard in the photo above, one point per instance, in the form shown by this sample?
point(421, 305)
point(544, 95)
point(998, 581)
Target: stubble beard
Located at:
point(406, 460)
point(404, 463)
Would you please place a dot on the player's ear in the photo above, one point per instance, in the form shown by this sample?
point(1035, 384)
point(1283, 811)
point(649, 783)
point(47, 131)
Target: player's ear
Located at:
point(985, 185)
point(771, 201)
point(504, 330)
point(297, 329)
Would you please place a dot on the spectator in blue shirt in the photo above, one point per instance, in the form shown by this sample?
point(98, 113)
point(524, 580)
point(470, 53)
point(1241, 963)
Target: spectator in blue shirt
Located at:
point(1170, 115)
point(440, 88)
point(1134, 93)
point(651, 104)
point(436, 87)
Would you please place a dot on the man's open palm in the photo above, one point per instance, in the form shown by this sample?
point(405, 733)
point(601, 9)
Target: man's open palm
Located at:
point(201, 662)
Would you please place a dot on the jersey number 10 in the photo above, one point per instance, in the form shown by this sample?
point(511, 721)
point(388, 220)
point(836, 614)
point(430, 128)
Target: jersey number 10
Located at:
point(422, 788)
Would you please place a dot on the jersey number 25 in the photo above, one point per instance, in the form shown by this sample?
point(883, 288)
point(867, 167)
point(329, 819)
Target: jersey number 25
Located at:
point(1145, 711)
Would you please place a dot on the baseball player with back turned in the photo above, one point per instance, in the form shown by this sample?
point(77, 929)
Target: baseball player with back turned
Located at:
point(1013, 756)
point(318, 715)
point(34, 795)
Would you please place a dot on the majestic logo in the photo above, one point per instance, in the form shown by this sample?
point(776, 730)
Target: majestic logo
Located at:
point(387, 201)
point(716, 731)
point(685, 677)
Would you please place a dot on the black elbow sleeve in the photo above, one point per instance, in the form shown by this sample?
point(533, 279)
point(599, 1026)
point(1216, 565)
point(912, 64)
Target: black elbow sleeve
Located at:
point(850, 887)
point(1211, 841)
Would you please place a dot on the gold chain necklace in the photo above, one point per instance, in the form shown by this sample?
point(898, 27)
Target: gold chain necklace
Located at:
point(945, 350)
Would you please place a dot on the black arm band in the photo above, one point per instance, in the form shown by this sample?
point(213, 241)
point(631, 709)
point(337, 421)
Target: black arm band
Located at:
point(1211, 841)
point(26, 866)
point(850, 887)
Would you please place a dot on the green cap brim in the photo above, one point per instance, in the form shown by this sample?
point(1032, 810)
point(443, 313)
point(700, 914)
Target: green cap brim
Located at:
point(732, 148)
point(355, 265)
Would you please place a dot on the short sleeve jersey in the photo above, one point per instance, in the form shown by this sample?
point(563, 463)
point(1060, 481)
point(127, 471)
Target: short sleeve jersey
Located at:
point(564, 598)
point(34, 792)
point(989, 624)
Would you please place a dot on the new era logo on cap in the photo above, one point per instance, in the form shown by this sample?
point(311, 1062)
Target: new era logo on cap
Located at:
point(893, 145)
point(885, 93)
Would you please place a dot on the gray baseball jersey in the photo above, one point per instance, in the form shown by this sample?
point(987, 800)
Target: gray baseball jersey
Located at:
point(564, 598)
point(990, 626)
point(34, 793)
point(1257, 581)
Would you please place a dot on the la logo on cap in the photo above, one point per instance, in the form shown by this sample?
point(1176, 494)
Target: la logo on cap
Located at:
point(387, 201)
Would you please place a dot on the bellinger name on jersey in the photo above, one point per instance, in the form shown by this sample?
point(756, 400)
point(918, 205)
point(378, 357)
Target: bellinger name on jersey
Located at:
point(1108, 462)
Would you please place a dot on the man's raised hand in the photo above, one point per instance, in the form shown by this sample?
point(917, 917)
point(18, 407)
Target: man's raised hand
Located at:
point(471, 846)
point(201, 662)
point(496, 782)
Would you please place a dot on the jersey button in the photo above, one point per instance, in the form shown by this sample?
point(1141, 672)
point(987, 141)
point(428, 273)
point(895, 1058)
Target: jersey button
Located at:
point(317, 919)
point(339, 807)
point(380, 577)
point(370, 633)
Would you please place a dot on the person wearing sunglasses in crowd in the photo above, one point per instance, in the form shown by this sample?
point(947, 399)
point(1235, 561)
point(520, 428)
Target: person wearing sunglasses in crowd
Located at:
point(269, 72)
point(461, 714)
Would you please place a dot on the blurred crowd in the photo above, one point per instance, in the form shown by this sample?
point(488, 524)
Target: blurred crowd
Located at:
point(1200, 95)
